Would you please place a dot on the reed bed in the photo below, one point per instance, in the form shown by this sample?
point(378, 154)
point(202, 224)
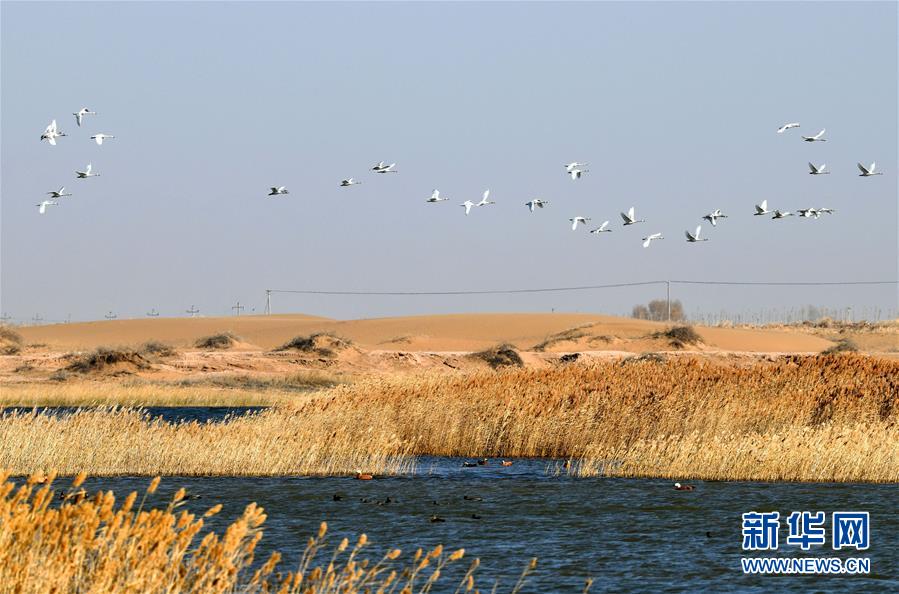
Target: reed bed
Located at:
point(83, 543)
point(808, 418)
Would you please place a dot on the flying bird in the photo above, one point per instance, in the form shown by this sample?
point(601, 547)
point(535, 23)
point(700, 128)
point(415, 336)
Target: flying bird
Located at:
point(762, 209)
point(79, 115)
point(808, 213)
point(382, 168)
point(817, 170)
point(58, 193)
point(467, 204)
point(484, 201)
point(51, 133)
point(576, 220)
point(601, 228)
point(435, 197)
point(536, 203)
point(86, 173)
point(780, 215)
point(629, 219)
point(868, 171)
point(816, 137)
point(349, 182)
point(786, 127)
point(713, 217)
point(572, 166)
point(577, 173)
point(99, 138)
point(694, 237)
point(42, 205)
point(278, 190)
point(649, 239)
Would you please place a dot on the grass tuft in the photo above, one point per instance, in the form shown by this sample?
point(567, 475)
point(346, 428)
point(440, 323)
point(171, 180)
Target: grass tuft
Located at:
point(844, 345)
point(680, 336)
point(324, 344)
point(502, 355)
point(103, 358)
point(10, 341)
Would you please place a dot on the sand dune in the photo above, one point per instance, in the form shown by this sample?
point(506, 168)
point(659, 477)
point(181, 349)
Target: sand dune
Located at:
point(439, 333)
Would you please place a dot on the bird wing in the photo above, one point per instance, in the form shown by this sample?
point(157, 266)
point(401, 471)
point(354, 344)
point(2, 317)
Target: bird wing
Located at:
point(647, 241)
point(873, 166)
point(51, 140)
point(53, 126)
point(435, 195)
point(689, 236)
point(819, 134)
point(78, 117)
point(88, 168)
point(604, 225)
point(485, 195)
point(698, 229)
point(574, 223)
point(812, 167)
point(530, 205)
point(624, 217)
point(43, 208)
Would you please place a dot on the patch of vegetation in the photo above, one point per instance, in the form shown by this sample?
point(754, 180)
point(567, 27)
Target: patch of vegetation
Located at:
point(296, 382)
point(104, 357)
point(60, 375)
point(502, 355)
point(563, 336)
point(844, 345)
point(10, 341)
point(680, 336)
point(221, 341)
point(651, 357)
point(657, 310)
point(569, 357)
point(159, 349)
point(324, 344)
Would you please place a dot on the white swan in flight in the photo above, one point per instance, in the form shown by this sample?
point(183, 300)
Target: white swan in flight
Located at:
point(713, 216)
point(762, 209)
point(817, 170)
point(43, 204)
point(601, 228)
point(786, 127)
point(814, 213)
point(572, 166)
point(382, 168)
point(535, 204)
point(467, 204)
point(349, 182)
point(694, 237)
point(99, 138)
point(868, 171)
point(435, 197)
point(628, 217)
point(816, 137)
point(650, 238)
point(58, 193)
point(780, 215)
point(278, 191)
point(86, 173)
point(51, 133)
point(484, 201)
point(577, 173)
point(576, 220)
point(79, 115)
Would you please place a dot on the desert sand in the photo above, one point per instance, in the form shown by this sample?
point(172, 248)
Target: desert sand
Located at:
point(439, 333)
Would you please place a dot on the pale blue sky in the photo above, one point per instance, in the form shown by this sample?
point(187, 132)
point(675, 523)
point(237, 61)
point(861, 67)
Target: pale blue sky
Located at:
point(673, 105)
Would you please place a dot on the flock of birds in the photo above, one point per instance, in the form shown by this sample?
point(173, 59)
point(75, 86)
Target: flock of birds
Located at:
point(574, 170)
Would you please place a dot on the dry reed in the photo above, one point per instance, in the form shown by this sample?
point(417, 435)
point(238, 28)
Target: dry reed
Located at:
point(811, 418)
point(83, 543)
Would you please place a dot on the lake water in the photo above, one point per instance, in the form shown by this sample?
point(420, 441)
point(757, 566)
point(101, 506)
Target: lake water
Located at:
point(630, 535)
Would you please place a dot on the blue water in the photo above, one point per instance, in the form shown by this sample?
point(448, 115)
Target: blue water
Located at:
point(630, 535)
point(169, 414)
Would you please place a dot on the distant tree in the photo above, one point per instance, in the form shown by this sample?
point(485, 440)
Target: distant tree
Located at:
point(640, 312)
point(657, 310)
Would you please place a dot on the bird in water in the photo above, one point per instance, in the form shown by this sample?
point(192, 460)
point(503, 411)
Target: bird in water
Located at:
point(680, 487)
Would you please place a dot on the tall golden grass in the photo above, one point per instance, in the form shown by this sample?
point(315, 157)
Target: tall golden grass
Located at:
point(810, 418)
point(83, 543)
point(226, 389)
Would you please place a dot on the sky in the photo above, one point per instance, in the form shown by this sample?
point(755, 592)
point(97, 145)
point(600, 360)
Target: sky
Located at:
point(673, 105)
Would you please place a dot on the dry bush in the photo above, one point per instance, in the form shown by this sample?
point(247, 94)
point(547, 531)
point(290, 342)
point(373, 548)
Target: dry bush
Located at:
point(844, 345)
point(158, 349)
point(103, 358)
point(680, 336)
point(221, 341)
point(78, 542)
point(564, 336)
point(324, 344)
point(502, 355)
point(10, 341)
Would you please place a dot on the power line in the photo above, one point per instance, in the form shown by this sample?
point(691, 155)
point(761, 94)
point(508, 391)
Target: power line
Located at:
point(577, 288)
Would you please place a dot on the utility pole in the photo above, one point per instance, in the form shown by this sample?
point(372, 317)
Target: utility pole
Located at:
point(268, 302)
point(238, 307)
point(668, 297)
point(193, 311)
